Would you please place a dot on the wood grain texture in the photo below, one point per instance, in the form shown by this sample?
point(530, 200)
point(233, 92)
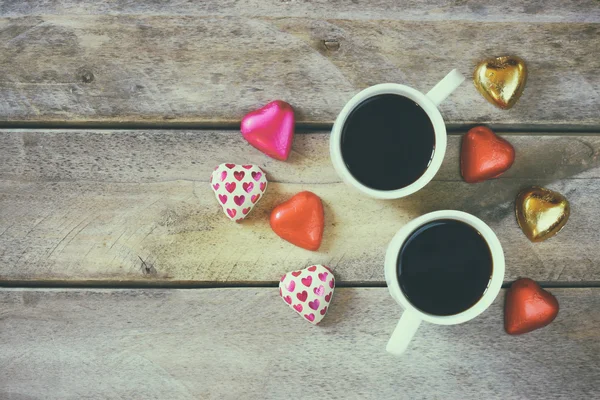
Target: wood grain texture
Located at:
point(212, 69)
point(113, 206)
point(248, 344)
point(427, 10)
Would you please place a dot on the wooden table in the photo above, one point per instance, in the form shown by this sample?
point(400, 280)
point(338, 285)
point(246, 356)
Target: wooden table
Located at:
point(121, 278)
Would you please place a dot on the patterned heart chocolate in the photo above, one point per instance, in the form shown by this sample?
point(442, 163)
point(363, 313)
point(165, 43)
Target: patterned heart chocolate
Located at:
point(308, 291)
point(238, 188)
point(271, 129)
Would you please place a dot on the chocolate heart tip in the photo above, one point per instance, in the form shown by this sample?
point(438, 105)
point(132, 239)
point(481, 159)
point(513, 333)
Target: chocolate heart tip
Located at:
point(311, 248)
point(516, 330)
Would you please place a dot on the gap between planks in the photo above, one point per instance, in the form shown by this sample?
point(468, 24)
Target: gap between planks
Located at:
point(49, 284)
point(300, 128)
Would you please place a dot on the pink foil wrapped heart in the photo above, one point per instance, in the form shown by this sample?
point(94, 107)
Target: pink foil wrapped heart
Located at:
point(308, 291)
point(270, 129)
point(238, 188)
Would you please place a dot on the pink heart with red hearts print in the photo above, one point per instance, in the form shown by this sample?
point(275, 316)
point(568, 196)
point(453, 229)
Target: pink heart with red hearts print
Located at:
point(319, 290)
point(238, 190)
point(239, 175)
point(270, 129)
point(230, 186)
point(307, 281)
point(305, 291)
point(247, 186)
point(302, 296)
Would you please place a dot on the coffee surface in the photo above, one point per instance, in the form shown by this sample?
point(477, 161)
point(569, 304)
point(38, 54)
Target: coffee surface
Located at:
point(444, 267)
point(387, 142)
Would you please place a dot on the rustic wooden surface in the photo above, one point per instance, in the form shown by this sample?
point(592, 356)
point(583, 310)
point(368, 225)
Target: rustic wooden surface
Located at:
point(98, 62)
point(248, 344)
point(473, 10)
point(136, 205)
point(133, 207)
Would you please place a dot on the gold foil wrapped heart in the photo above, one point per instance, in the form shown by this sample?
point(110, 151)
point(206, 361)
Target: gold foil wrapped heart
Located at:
point(541, 213)
point(501, 80)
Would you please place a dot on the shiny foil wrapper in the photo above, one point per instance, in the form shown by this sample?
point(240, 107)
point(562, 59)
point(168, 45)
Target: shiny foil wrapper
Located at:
point(528, 307)
point(541, 213)
point(484, 155)
point(501, 80)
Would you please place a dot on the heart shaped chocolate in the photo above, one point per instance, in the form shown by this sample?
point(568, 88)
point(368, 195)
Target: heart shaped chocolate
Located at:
point(541, 213)
point(528, 307)
point(270, 129)
point(501, 80)
point(484, 155)
point(308, 291)
point(300, 220)
point(238, 188)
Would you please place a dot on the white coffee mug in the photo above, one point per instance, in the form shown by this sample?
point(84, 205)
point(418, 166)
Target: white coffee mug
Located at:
point(428, 102)
point(412, 317)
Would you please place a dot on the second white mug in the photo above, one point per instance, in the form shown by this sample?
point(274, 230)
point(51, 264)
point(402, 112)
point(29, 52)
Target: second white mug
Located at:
point(412, 316)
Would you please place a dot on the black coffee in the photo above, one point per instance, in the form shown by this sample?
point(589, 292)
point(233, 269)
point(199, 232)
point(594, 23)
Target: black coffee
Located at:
point(387, 142)
point(444, 267)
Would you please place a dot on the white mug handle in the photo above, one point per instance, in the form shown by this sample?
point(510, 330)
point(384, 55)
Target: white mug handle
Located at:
point(446, 86)
point(404, 332)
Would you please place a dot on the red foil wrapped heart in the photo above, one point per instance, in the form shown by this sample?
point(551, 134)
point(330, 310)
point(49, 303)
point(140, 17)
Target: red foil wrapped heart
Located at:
point(528, 307)
point(484, 155)
point(300, 220)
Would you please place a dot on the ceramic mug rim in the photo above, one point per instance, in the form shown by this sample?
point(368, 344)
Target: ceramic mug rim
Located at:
point(496, 280)
point(439, 128)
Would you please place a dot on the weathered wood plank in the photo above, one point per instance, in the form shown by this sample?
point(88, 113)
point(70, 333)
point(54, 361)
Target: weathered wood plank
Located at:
point(428, 10)
point(136, 156)
point(213, 69)
point(247, 344)
point(85, 205)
